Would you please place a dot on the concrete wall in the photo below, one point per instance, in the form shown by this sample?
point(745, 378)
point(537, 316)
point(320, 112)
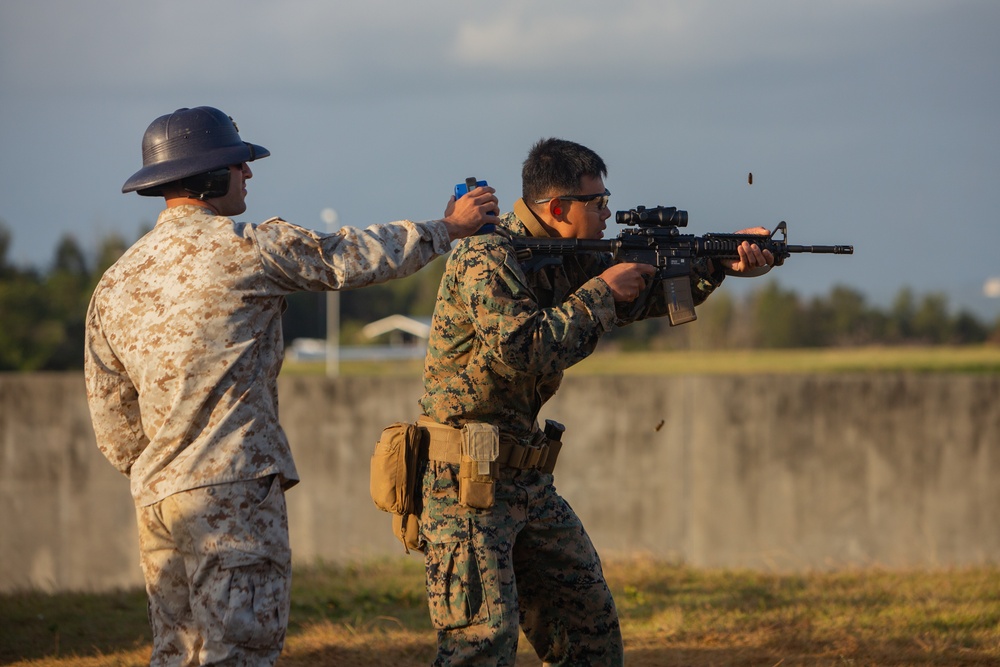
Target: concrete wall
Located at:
point(775, 472)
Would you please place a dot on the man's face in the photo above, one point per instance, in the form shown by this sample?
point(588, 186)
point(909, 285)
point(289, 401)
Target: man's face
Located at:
point(234, 201)
point(585, 219)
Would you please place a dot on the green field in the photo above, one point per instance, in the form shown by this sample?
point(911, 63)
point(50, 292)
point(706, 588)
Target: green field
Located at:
point(374, 613)
point(965, 359)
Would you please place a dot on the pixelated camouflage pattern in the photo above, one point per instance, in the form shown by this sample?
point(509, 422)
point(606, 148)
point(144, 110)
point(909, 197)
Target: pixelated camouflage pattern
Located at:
point(184, 339)
point(217, 565)
point(500, 342)
point(527, 562)
point(501, 339)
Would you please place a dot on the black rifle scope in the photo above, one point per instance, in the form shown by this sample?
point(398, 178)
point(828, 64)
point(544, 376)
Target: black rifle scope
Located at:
point(658, 216)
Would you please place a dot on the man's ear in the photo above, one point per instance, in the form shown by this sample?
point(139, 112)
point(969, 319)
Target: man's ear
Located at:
point(552, 215)
point(556, 209)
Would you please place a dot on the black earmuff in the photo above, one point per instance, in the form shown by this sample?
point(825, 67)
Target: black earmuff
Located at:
point(209, 185)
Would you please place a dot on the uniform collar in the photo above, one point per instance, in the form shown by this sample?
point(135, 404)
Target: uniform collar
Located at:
point(530, 220)
point(185, 211)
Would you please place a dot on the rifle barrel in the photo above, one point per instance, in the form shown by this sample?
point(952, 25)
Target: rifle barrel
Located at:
point(710, 245)
point(824, 249)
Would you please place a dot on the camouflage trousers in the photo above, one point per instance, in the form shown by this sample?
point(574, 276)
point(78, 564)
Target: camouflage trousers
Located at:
point(526, 562)
point(218, 572)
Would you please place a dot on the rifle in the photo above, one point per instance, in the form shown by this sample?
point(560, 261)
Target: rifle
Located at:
point(654, 237)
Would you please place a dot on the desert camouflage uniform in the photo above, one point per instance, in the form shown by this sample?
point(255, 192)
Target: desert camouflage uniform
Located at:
point(217, 567)
point(500, 341)
point(182, 357)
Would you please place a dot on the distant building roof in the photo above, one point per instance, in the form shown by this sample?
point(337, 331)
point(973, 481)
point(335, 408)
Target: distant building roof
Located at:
point(419, 327)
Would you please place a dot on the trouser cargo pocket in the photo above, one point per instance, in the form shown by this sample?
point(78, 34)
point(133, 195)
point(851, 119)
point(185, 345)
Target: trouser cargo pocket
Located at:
point(455, 588)
point(257, 615)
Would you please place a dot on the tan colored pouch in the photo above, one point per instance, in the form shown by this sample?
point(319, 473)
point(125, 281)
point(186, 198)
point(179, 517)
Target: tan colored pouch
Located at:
point(394, 486)
point(407, 529)
point(394, 468)
point(479, 467)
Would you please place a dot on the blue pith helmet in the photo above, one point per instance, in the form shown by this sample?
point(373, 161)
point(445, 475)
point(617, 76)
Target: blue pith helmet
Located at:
point(188, 142)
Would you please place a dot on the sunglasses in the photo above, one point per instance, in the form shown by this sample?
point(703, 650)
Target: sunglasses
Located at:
point(601, 199)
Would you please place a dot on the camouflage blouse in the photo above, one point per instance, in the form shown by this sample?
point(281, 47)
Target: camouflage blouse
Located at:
point(184, 340)
point(501, 338)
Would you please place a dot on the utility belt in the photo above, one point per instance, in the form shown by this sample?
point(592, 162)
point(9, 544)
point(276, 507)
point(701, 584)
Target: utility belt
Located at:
point(479, 450)
point(444, 443)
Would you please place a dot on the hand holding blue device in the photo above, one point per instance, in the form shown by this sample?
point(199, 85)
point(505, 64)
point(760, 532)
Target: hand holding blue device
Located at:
point(464, 188)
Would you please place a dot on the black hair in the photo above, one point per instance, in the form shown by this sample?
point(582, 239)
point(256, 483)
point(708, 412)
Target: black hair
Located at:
point(555, 166)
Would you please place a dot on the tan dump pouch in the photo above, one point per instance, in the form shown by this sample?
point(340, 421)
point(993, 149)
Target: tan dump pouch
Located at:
point(394, 468)
point(393, 481)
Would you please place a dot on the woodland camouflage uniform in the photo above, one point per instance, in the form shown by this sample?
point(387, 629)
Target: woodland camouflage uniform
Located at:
point(499, 344)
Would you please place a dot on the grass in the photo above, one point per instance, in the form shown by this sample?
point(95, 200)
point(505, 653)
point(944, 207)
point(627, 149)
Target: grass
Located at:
point(373, 613)
point(964, 359)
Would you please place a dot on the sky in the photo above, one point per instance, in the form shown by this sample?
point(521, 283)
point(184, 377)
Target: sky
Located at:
point(867, 122)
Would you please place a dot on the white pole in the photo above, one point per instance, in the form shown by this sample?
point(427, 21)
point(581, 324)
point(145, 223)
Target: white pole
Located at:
point(329, 216)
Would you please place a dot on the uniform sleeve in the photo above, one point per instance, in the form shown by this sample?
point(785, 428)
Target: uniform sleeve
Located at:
point(300, 259)
point(113, 399)
point(703, 283)
point(508, 320)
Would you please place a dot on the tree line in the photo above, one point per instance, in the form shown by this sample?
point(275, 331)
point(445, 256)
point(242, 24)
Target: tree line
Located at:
point(43, 313)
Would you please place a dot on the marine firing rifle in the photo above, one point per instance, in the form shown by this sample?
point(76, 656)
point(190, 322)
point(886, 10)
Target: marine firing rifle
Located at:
point(654, 237)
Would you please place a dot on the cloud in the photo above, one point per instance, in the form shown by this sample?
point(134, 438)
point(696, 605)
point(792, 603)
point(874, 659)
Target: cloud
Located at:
point(863, 121)
point(364, 44)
